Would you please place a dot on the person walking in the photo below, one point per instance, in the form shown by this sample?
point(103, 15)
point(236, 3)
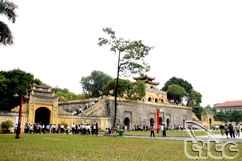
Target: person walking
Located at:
point(227, 131)
point(152, 131)
point(162, 130)
point(73, 128)
point(231, 131)
point(222, 129)
point(237, 131)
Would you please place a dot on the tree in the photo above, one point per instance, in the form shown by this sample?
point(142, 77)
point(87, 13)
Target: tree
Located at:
point(138, 91)
point(6, 125)
point(12, 82)
point(176, 92)
point(131, 58)
point(178, 81)
point(192, 96)
point(194, 99)
point(197, 110)
point(94, 83)
point(8, 9)
point(126, 89)
point(66, 95)
point(236, 116)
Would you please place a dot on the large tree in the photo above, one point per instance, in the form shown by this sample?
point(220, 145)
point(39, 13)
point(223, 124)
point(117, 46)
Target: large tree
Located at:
point(176, 92)
point(8, 9)
point(126, 89)
point(193, 97)
point(14, 82)
point(94, 83)
point(131, 58)
point(178, 81)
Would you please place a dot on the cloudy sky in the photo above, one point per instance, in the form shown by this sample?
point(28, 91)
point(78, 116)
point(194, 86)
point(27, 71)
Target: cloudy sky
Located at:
point(199, 41)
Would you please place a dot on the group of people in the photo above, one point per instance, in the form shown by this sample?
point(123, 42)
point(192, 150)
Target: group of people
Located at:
point(86, 129)
point(162, 129)
point(87, 105)
point(229, 129)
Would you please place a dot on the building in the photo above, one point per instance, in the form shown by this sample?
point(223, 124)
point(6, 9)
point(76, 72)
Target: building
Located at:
point(43, 107)
point(229, 106)
point(153, 94)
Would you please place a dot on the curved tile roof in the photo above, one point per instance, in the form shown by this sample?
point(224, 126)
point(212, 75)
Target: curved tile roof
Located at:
point(230, 103)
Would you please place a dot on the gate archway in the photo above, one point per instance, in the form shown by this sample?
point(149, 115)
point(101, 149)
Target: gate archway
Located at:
point(167, 123)
point(127, 122)
point(160, 120)
point(152, 122)
point(42, 115)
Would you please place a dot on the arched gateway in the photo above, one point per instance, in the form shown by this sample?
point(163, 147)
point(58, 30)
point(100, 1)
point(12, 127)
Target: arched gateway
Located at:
point(43, 105)
point(42, 115)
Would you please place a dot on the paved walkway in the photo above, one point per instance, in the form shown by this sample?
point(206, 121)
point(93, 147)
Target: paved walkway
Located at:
point(219, 137)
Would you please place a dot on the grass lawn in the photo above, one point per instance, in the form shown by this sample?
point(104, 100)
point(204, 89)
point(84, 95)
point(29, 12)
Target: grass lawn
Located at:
point(168, 133)
point(78, 147)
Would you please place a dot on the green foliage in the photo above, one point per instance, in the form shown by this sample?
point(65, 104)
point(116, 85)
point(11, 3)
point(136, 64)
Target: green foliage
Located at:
point(12, 82)
point(38, 82)
point(197, 110)
point(95, 82)
point(8, 9)
point(176, 92)
point(133, 53)
point(209, 108)
point(7, 124)
point(138, 91)
point(234, 116)
point(66, 95)
point(178, 81)
point(126, 89)
point(194, 98)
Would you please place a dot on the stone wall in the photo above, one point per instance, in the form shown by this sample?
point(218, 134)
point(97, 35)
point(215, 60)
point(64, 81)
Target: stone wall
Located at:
point(71, 106)
point(140, 113)
point(13, 116)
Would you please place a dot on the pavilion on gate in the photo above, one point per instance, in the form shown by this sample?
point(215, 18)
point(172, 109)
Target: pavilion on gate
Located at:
point(153, 94)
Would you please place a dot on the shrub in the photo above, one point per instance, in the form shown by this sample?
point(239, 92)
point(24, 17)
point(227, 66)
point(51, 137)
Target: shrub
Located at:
point(63, 123)
point(7, 124)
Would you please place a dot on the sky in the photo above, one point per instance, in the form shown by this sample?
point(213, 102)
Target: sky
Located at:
point(199, 41)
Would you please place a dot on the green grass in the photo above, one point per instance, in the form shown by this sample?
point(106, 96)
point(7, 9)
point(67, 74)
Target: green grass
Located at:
point(78, 147)
point(168, 133)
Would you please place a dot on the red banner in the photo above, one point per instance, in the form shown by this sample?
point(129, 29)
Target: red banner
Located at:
point(158, 125)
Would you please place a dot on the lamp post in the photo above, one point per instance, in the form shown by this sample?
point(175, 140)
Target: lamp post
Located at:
point(19, 117)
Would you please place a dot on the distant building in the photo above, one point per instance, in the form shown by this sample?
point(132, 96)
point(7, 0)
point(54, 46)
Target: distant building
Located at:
point(229, 106)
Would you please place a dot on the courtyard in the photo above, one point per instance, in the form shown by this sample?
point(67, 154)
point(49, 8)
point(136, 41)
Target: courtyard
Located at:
point(79, 147)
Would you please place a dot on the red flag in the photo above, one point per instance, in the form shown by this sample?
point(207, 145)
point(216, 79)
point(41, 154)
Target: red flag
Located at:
point(157, 118)
point(111, 92)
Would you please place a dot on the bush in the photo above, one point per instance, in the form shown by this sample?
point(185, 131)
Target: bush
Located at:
point(7, 124)
point(63, 123)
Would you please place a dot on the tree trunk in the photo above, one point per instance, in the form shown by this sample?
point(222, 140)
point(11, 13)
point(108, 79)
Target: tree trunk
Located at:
point(116, 95)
